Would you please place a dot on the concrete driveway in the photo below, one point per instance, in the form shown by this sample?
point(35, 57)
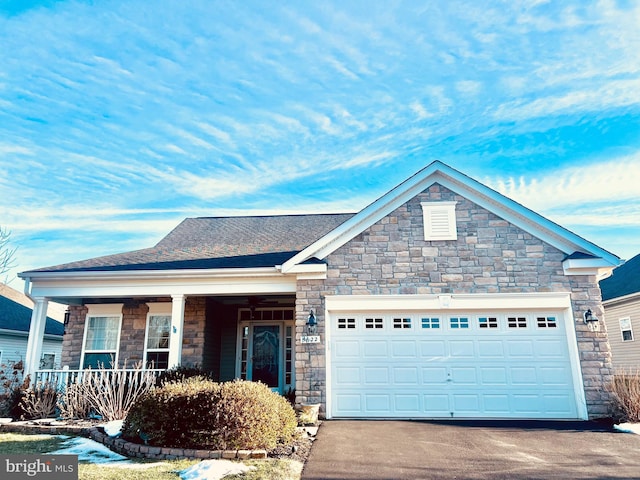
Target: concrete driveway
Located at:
point(376, 450)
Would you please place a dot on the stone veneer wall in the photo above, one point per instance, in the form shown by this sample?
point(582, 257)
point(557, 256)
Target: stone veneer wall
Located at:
point(134, 318)
point(490, 256)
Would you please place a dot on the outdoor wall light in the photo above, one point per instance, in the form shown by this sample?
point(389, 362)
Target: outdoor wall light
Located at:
point(312, 324)
point(589, 317)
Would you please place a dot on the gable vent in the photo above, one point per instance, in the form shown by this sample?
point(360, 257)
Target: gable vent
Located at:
point(439, 220)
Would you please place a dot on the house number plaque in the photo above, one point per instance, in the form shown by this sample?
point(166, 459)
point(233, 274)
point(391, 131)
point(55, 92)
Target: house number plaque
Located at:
point(310, 339)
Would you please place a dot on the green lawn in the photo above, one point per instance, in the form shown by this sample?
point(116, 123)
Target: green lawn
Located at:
point(270, 469)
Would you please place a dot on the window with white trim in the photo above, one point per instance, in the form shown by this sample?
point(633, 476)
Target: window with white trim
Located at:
point(626, 330)
point(439, 220)
point(158, 335)
point(102, 336)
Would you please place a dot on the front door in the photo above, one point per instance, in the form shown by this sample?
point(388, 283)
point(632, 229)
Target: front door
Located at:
point(265, 348)
point(265, 355)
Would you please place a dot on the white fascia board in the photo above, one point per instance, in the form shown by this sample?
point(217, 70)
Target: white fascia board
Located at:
point(437, 172)
point(150, 274)
point(625, 298)
point(471, 301)
point(165, 283)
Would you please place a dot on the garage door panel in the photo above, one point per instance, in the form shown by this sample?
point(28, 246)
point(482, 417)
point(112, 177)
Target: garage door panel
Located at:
point(560, 376)
point(378, 403)
point(479, 369)
point(430, 349)
point(490, 349)
point(405, 375)
point(466, 403)
point(376, 375)
point(347, 349)
point(497, 404)
point(493, 375)
point(408, 404)
point(524, 376)
point(404, 348)
point(520, 348)
point(434, 375)
point(348, 376)
point(551, 349)
point(461, 349)
point(464, 376)
point(375, 348)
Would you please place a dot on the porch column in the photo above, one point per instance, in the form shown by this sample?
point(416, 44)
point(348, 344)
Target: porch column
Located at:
point(36, 336)
point(177, 326)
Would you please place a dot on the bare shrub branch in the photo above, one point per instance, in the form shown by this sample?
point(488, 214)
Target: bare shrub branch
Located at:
point(112, 392)
point(625, 390)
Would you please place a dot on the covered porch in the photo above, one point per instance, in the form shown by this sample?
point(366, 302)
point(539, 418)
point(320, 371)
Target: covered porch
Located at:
point(229, 328)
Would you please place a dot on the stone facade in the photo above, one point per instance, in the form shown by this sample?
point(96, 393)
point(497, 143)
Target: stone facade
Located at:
point(132, 334)
point(490, 255)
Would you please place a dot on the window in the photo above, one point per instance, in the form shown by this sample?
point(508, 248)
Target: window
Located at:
point(373, 323)
point(546, 322)
point(48, 361)
point(488, 322)
point(102, 336)
point(347, 323)
point(439, 220)
point(430, 323)
point(459, 322)
point(517, 322)
point(158, 335)
point(625, 328)
point(401, 323)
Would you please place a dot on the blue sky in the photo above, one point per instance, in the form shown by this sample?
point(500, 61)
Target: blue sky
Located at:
point(120, 118)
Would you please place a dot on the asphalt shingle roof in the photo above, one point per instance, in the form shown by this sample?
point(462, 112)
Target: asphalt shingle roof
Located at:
point(624, 281)
point(219, 242)
point(14, 316)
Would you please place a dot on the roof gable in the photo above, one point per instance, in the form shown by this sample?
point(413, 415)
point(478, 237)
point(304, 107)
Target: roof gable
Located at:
point(437, 172)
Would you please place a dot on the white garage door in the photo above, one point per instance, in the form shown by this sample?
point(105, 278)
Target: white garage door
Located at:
point(450, 365)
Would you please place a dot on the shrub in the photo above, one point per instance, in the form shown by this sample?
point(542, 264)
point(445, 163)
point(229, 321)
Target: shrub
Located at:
point(180, 373)
point(13, 385)
point(625, 390)
point(39, 401)
point(200, 413)
point(73, 402)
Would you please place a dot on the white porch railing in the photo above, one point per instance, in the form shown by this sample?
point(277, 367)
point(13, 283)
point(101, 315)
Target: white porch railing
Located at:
point(65, 377)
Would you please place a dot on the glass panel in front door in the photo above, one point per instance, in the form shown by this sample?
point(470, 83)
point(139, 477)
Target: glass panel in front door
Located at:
point(266, 355)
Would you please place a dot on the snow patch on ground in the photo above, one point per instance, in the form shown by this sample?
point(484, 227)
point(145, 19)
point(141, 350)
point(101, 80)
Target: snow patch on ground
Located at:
point(113, 428)
point(213, 470)
point(628, 428)
point(89, 451)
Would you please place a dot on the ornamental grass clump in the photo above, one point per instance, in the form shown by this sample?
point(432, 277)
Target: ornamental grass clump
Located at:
point(625, 392)
point(202, 414)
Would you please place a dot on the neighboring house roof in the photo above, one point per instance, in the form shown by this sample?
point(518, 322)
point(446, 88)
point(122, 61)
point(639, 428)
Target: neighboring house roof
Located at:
point(17, 317)
point(624, 281)
point(219, 242)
